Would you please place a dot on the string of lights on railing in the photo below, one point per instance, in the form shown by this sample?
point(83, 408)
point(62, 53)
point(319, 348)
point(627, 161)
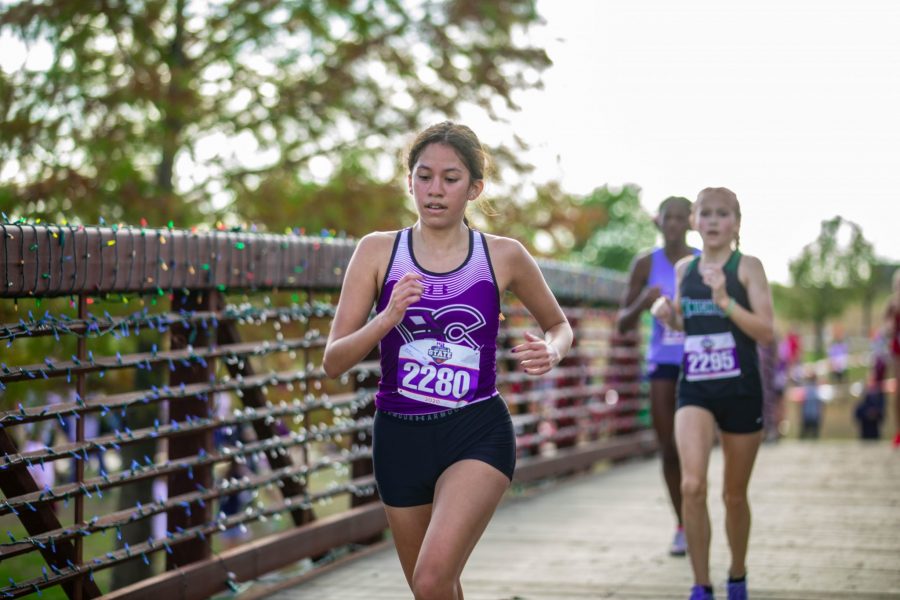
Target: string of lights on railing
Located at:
point(341, 405)
point(238, 384)
point(248, 415)
point(137, 471)
point(120, 327)
point(233, 355)
point(96, 327)
point(225, 487)
point(239, 452)
point(359, 488)
point(185, 357)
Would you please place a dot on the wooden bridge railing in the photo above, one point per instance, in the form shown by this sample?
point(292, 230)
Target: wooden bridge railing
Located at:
point(129, 346)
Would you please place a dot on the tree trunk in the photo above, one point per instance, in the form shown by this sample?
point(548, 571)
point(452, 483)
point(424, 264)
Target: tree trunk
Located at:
point(867, 304)
point(819, 325)
point(172, 122)
point(135, 570)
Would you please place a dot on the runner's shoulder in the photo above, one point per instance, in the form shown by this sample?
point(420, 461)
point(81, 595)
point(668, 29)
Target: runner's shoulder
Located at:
point(682, 264)
point(751, 267)
point(376, 245)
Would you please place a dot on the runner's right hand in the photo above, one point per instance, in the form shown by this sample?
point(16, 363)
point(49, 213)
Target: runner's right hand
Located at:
point(407, 291)
point(663, 309)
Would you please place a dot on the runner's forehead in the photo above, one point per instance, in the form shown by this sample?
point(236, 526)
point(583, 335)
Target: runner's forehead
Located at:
point(715, 199)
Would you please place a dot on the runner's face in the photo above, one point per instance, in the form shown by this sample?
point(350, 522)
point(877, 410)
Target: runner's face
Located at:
point(442, 186)
point(674, 222)
point(716, 220)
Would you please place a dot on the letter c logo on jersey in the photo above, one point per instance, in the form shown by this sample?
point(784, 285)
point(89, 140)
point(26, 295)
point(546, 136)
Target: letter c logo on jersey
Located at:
point(454, 324)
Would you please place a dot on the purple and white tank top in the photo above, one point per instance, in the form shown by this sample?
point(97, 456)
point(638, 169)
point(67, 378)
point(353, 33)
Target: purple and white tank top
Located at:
point(443, 355)
point(666, 345)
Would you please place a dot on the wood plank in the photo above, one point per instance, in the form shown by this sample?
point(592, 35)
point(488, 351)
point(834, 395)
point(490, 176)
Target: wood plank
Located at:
point(826, 525)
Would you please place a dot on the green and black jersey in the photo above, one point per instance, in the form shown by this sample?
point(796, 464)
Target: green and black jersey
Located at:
point(720, 360)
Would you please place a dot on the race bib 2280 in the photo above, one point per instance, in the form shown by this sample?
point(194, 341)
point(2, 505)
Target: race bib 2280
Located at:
point(438, 372)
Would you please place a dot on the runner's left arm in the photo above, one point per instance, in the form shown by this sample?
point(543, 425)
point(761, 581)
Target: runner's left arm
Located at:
point(758, 322)
point(537, 355)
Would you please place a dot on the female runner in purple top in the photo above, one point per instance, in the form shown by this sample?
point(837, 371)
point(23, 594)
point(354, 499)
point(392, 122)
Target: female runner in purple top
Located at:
point(652, 276)
point(444, 447)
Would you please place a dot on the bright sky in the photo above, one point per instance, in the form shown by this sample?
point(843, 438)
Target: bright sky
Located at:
point(793, 105)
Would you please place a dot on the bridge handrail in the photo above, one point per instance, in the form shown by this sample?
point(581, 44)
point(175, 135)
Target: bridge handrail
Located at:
point(245, 314)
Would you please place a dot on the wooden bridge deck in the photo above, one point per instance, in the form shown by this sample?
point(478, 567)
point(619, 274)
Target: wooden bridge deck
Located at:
point(826, 526)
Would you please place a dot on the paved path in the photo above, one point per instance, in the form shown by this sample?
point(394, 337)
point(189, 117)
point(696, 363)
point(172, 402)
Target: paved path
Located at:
point(826, 526)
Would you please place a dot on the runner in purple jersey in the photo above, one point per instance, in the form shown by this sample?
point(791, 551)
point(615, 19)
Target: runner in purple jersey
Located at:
point(653, 275)
point(444, 447)
point(443, 353)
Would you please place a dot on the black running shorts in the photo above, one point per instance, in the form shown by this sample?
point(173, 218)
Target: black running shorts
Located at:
point(732, 414)
point(665, 371)
point(410, 452)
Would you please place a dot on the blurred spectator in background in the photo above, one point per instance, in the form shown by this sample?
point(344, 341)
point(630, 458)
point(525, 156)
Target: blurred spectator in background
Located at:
point(879, 353)
point(791, 352)
point(811, 410)
point(159, 520)
point(838, 359)
point(773, 372)
point(870, 410)
point(892, 334)
point(40, 438)
point(233, 504)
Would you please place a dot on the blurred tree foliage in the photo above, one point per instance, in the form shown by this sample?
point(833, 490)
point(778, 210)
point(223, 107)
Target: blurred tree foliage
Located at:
point(174, 109)
point(543, 223)
point(605, 228)
point(352, 201)
point(619, 227)
point(831, 272)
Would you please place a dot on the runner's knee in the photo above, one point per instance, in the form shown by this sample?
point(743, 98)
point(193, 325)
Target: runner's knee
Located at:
point(734, 499)
point(430, 582)
point(693, 488)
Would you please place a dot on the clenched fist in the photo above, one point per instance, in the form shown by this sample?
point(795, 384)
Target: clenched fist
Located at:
point(407, 291)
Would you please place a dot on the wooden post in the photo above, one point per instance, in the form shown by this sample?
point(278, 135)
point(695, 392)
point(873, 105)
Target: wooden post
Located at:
point(180, 409)
point(15, 480)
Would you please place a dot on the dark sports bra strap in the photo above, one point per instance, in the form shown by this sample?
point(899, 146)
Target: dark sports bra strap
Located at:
point(692, 266)
point(733, 261)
